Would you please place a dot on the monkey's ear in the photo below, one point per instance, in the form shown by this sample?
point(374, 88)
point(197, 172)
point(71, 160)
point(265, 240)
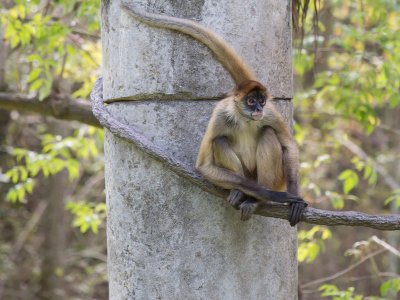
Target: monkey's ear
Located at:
point(237, 94)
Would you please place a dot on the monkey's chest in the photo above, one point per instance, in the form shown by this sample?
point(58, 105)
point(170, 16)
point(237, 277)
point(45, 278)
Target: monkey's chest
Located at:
point(245, 147)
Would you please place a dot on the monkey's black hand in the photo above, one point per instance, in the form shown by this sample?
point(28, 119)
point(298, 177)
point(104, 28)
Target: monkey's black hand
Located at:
point(236, 198)
point(284, 197)
point(296, 211)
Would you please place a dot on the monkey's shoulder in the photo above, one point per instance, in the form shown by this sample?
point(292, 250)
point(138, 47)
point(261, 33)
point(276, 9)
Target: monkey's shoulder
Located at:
point(227, 120)
point(223, 117)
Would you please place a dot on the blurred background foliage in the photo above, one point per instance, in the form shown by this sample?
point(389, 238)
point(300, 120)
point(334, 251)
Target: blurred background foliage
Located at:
point(347, 81)
point(52, 212)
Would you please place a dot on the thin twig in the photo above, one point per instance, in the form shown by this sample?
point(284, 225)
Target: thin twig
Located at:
point(389, 129)
point(385, 245)
point(81, 32)
point(344, 271)
point(267, 209)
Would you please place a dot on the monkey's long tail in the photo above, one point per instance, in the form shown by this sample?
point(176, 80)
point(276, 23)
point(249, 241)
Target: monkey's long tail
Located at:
point(223, 52)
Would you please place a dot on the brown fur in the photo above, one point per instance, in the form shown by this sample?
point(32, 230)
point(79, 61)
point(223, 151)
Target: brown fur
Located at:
point(238, 153)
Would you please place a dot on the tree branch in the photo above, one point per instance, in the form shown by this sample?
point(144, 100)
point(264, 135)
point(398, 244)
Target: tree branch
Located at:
point(344, 271)
point(63, 108)
point(385, 245)
point(267, 209)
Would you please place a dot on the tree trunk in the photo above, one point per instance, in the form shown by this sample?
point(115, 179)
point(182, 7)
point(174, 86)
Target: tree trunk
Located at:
point(4, 115)
point(54, 227)
point(167, 239)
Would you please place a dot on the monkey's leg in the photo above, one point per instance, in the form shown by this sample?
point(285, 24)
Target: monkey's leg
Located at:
point(291, 169)
point(228, 179)
point(269, 169)
point(225, 157)
point(281, 165)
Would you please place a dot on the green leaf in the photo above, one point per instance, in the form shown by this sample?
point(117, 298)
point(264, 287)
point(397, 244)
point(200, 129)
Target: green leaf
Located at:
point(73, 168)
point(34, 74)
point(29, 185)
point(395, 196)
point(350, 180)
point(23, 173)
point(36, 84)
point(328, 290)
point(22, 11)
point(308, 251)
point(337, 203)
point(391, 286)
point(14, 41)
point(34, 57)
point(11, 195)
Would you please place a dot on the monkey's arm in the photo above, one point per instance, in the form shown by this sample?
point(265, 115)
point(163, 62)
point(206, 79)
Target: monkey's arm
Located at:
point(290, 161)
point(289, 148)
point(229, 180)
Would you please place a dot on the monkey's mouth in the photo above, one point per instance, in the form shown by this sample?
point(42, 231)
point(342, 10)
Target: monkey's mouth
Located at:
point(257, 115)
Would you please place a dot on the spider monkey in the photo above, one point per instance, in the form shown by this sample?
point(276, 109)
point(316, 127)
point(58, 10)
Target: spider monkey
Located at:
point(247, 147)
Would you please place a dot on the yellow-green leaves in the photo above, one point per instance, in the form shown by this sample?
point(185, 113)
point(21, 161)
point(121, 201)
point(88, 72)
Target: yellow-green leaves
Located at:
point(87, 215)
point(311, 242)
point(394, 197)
point(48, 46)
point(390, 287)
point(330, 290)
point(18, 192)
point(57, 154)
point(350, 180)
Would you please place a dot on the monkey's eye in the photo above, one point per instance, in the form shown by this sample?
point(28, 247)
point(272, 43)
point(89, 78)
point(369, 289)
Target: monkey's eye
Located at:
point(262, 102)
point(251, 101)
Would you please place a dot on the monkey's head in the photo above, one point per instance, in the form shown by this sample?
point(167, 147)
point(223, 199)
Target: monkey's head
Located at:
point(251, 97)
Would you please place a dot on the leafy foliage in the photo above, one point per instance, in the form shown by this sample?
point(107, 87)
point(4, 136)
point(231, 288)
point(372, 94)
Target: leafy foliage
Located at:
point(50, 46)
point(54, 48)
point(311, 242)
point(87, 215)
point(356, 77)
point(347, 71)
point(57, 154)
point(394, 197)
point(391, 286)
point(330, 290)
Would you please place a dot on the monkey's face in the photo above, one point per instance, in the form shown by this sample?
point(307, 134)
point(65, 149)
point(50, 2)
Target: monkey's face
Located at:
point(252, 105)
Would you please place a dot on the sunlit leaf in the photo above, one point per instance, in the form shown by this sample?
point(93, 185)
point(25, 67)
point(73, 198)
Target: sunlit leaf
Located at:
point(350, 180)
point(391, 286)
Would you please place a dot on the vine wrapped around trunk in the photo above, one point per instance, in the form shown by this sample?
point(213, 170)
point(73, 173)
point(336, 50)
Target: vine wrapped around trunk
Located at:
point(311, 215)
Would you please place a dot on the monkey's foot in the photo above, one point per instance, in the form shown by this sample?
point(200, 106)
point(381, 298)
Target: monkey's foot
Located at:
point(247, 208)
point(236, 198)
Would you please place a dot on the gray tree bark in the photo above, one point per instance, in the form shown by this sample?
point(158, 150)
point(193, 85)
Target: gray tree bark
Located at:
point(168, 239)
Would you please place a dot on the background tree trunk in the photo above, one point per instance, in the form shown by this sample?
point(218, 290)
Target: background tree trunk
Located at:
point(54, 227)
point(167, 239)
